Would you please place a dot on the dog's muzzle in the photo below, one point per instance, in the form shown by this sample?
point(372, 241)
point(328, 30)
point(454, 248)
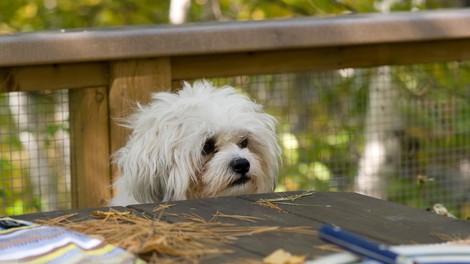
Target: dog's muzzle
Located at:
point(242, 167)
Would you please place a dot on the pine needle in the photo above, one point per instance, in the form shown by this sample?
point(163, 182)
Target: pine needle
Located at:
point(190, 217)
point(237, 217)
point(270, 205)
point(286, 200)
point(290, 198)
point(157, 240)
point(162, 207)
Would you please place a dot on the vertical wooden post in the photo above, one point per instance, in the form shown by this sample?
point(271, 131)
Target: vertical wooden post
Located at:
point(89, 130)
point(133, 81)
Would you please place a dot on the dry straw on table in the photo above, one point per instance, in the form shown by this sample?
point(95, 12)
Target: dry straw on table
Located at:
point(155, 240)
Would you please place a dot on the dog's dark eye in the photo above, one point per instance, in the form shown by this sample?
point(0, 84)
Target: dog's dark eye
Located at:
point(243, 143)
point(209, 147)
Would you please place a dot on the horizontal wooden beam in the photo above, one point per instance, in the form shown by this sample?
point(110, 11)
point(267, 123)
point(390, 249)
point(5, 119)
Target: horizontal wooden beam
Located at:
point(269, 62)
point(48, 77)
point(96, 74)
point(72, 46)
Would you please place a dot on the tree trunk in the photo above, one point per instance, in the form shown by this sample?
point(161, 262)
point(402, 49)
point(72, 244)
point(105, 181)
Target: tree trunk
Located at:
point(382, 146)
point(179, 11)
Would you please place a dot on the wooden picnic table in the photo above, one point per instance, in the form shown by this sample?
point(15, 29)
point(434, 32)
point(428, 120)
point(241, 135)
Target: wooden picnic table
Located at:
point(375, 219)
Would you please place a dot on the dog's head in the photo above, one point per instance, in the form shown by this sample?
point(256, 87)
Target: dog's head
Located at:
point(201, 142)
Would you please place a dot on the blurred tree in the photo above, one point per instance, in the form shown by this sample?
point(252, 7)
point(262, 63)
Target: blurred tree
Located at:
point(333, 137)
point(179, 11)
point(30, 15)
point(383, 119)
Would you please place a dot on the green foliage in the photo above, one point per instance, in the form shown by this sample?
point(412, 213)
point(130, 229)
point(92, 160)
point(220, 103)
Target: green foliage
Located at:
point(19, 15)
point(323, 140)
point(22, 15)
point(322, 129)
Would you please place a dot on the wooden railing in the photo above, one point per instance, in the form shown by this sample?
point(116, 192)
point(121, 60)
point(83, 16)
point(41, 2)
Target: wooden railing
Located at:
point(106, 70)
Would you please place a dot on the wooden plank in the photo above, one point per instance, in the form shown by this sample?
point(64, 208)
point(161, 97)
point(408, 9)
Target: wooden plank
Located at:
point(373, 218)
point(133, 81)
point(260, 245)
point(237, 36)
point(324, 58)
point(89, 128)
point(81, 214)
point(377, 219)
point(49, 77)
point(82, 75)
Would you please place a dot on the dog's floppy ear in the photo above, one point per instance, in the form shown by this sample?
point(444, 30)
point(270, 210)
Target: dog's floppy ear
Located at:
point(267, 146)
point(273, 149)
point(147, 162)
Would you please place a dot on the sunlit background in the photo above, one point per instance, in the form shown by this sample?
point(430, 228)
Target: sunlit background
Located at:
point(408, 124)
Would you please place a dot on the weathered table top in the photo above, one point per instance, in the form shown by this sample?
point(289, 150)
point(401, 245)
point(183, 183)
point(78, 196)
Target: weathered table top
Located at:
point(375, 219)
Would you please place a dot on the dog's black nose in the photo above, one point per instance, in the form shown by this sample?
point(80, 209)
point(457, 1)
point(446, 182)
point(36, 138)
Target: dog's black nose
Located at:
point(240, 165)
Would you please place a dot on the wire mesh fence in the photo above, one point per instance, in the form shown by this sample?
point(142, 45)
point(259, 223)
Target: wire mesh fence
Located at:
point(397, 132)
point(34, 152)
point(401, 133)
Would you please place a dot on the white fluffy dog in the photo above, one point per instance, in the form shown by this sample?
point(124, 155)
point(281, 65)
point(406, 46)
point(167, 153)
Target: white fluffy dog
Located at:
point(201, 142)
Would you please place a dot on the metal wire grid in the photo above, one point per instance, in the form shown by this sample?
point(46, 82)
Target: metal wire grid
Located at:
point(405, 129)
point(34, 152)
point(324, 129)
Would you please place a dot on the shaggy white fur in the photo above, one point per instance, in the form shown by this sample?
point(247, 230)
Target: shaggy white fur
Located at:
point(201, 142)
